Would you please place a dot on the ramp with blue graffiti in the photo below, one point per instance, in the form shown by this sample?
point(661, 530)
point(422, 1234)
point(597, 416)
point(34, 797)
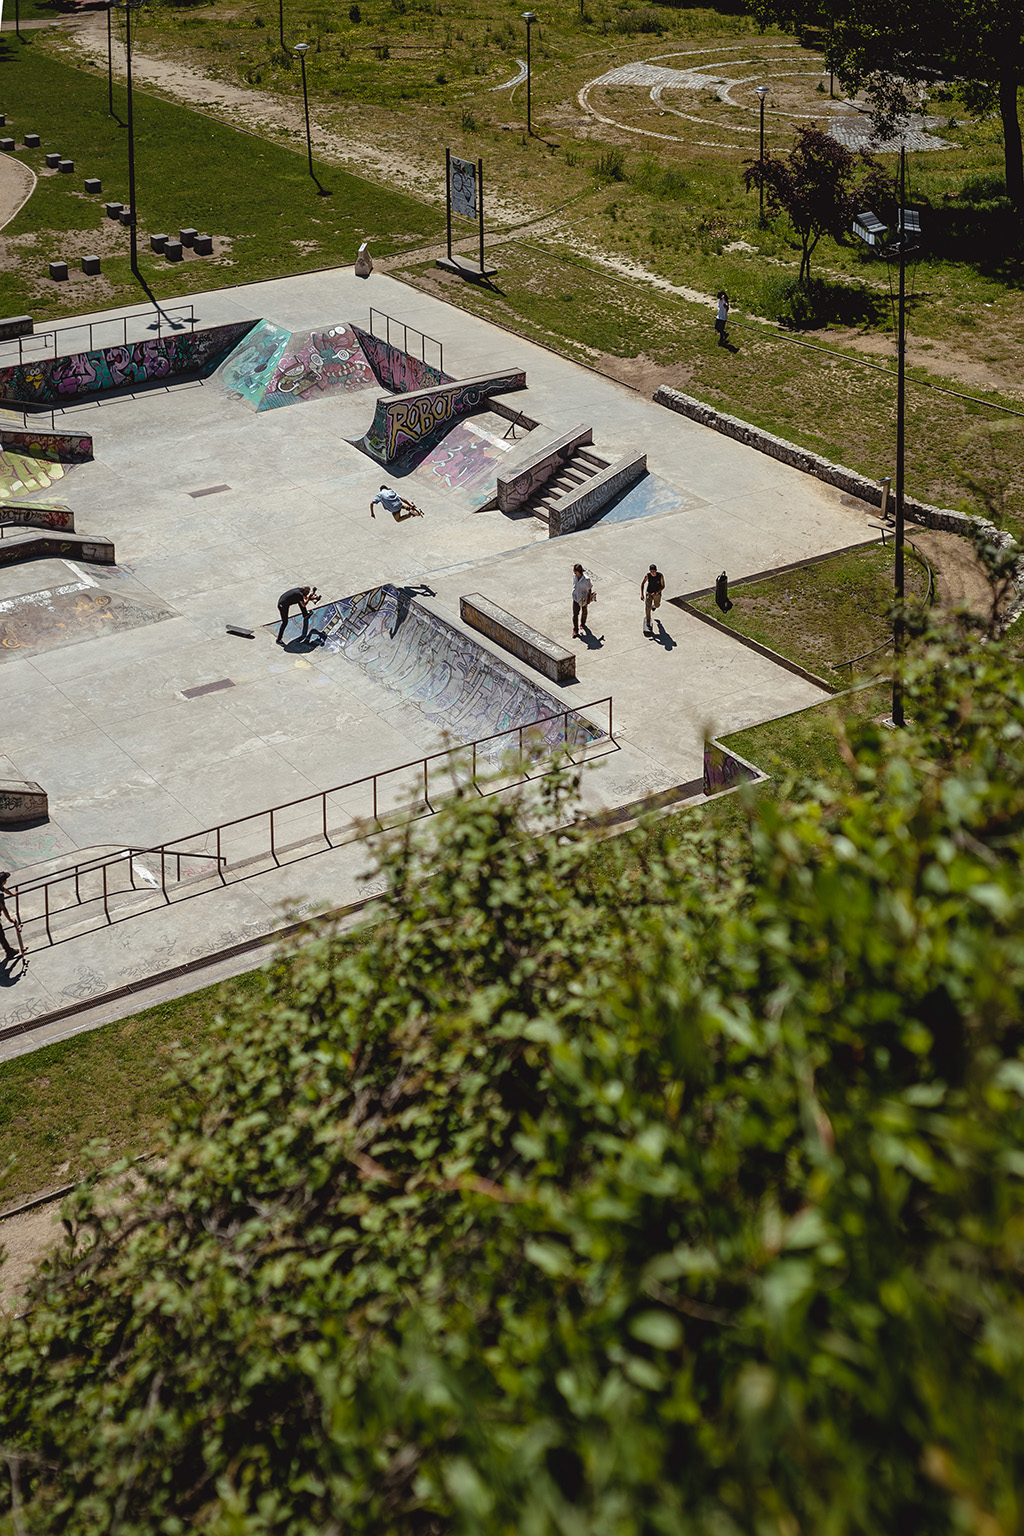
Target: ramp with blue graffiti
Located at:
point(461, 688)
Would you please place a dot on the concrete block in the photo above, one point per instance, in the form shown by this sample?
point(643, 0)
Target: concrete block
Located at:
point(3, 119)
point(59, 271)
point(364, 261)
point(52, 161)
point(203, 245)
point(22, 800)
point(93, 184)
point(188, 237)
point(172, 250)
point(157, 243)
point(91, 266)
point(7, 144)
point(126, 217)
point(66, 167)
point(31, 141)
point(16, 325)
point(537, 650)
point(114, 210)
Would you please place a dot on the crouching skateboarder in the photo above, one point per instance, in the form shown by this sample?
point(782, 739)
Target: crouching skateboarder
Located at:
point(303, 598)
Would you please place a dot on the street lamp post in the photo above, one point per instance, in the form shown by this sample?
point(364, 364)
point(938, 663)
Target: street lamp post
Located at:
point(302, 49)
point(280, 22)
point(761, 91)
point(529, 18)
point(908, 227)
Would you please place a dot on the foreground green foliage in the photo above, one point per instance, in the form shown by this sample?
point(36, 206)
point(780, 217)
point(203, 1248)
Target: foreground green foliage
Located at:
point(686, 1202)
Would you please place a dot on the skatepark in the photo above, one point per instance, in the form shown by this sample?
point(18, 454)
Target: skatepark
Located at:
point(152, 728)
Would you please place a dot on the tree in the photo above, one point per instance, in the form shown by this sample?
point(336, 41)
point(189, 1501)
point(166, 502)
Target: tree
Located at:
point(679, 1189)
point(892, 47)
point(812, 185)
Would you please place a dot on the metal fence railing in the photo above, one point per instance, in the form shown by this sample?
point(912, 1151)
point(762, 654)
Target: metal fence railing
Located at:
point(407, 331)
point(88, 335)
point(110, 888)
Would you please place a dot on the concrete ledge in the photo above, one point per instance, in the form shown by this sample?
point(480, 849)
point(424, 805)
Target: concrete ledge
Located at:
point(32, 515)
point(58, 446)
point(531, 473)
point(578, 507)
point(838, 475)
point(405, 421)
point(35, 544)
point(537, 650)
point(22, 800)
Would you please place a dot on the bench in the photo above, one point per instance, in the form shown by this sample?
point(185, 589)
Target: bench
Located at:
point(21, 800)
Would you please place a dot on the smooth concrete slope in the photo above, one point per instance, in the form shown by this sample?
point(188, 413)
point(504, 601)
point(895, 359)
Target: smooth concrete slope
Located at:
point(122, 695)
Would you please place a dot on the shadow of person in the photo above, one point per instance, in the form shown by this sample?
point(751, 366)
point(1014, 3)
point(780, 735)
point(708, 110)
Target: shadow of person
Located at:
point(662, 637)
point(590, 640)
point(12, 969)
point(405, 596)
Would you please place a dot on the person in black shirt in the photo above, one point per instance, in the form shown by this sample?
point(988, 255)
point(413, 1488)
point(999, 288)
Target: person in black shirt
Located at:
point(6, 915)
point(304, 599)
point(654, 581)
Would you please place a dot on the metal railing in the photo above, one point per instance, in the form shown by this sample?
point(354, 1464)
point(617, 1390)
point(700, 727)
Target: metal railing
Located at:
point(407, 330)
point(48, 907)
point(29, 346)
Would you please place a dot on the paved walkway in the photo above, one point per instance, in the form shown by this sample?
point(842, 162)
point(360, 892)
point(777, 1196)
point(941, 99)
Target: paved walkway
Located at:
point(107, 719)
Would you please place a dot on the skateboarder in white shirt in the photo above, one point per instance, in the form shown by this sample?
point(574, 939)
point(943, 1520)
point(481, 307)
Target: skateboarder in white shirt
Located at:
point(397, 505)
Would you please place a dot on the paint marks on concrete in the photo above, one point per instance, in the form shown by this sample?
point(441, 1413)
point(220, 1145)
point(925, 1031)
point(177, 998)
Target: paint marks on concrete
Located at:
point(468, 460)
point(246, 373)
point(46, 621)
point(22, 846)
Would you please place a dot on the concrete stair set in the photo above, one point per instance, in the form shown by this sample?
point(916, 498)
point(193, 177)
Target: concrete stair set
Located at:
point(564, 483)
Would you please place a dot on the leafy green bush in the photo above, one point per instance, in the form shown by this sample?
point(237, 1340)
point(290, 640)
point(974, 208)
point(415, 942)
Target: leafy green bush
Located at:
point(686, 1198)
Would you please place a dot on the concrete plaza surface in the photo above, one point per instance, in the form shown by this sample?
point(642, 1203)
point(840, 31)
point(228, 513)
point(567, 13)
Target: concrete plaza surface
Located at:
point(93, 701)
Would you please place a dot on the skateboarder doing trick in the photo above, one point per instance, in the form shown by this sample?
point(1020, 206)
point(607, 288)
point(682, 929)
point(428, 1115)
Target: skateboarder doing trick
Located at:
point(397, 505)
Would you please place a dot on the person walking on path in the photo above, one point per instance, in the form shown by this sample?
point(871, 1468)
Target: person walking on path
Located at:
point(722, 318)
point(303, 598)
point(654, 582)
point(7, 916)
point(397, 505)
point(582, 597)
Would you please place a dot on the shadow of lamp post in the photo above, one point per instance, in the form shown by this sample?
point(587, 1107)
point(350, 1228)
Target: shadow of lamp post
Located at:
point(133, 223)
point(302, 49)
point(529, 18)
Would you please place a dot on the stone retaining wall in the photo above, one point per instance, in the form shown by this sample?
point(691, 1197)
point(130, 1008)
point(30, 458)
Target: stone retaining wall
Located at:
point(838, 475)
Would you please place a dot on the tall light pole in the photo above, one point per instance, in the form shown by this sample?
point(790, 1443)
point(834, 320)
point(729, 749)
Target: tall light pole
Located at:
point(302, 49)
point(529, 18)
point(908, 227)
point(280, 22)
point(761, 91)
point(901, 397)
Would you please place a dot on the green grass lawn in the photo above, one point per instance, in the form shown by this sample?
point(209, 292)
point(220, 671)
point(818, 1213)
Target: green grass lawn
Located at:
point(824, 614)
point(255, 198)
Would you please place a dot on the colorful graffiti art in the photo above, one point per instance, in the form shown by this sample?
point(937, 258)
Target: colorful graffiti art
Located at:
point(722, 770)
point(396, 370)
point(467, 460)
point(246, 373)
point(61, 518)
point(52, 381)
point(316, 363)
point(406, 422)
point(61, 447)
point(23, 476)
point(461, 688)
